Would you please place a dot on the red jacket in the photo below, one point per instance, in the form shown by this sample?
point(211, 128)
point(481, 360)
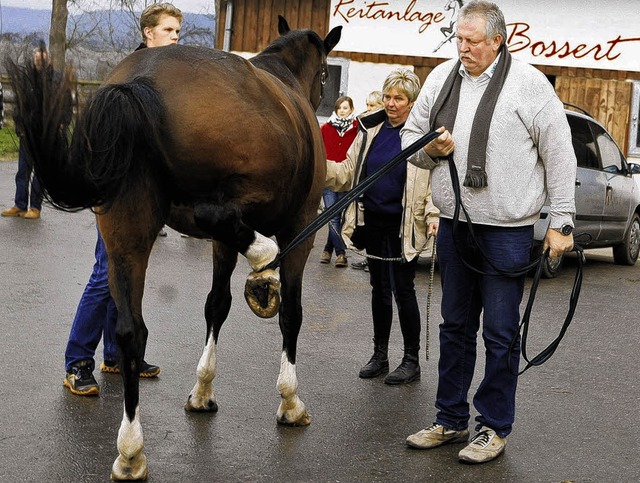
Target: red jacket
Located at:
point(336, 145)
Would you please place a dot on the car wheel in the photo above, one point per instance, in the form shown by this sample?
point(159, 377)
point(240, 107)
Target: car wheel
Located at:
point(627, 252)
point(549, 269)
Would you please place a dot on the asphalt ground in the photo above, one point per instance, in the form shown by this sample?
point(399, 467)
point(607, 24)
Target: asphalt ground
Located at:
point(577, 415)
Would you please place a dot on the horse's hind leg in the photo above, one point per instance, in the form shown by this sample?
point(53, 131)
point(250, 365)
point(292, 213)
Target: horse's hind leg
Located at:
point(131, 335)
point(128, 241)
point(202, 396)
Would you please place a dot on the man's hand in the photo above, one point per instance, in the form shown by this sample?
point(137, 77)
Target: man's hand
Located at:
point(558, 243)
point(441, 146)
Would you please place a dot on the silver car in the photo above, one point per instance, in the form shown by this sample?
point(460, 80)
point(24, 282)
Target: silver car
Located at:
point(607, 196)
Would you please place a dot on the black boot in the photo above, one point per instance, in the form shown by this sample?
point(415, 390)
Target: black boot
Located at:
point(408, 370)
point(379, 362)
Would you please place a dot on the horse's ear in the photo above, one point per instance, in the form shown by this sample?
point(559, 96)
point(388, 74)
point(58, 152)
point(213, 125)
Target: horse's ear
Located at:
point(332, 39)
point(283, 26)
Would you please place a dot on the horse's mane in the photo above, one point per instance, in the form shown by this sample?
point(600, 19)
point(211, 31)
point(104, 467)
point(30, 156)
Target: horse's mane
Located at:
point(284, 41)
point(287, 54)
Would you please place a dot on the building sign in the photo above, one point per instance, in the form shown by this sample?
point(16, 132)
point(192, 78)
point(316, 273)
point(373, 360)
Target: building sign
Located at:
point(574, 33)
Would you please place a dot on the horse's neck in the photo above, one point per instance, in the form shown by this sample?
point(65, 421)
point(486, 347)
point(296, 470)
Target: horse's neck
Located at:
point(277, 67)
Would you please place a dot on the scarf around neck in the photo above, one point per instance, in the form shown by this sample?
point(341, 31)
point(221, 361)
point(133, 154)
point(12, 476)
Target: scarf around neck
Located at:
point(342, 124)
point(446, 107)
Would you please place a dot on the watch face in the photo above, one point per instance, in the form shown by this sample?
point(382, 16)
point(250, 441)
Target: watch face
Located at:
point(567, 230)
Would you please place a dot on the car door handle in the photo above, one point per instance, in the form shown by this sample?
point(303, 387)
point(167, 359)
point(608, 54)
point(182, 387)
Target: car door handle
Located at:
point(578, 183)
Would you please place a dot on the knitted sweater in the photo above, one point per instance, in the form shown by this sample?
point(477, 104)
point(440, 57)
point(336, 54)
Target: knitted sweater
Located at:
point(529, 151)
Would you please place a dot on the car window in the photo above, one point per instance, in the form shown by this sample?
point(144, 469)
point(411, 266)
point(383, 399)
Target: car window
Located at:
point(612, 160)
point(584, 144)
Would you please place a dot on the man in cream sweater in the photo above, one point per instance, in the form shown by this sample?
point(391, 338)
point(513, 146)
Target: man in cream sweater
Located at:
point(505, 129)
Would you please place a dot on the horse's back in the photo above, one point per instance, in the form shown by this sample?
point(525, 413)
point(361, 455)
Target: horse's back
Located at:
point(231, 125)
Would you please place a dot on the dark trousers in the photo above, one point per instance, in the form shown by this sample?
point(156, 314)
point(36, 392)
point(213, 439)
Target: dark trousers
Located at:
point(465, 295)
point(391, 278)
point(24, 179)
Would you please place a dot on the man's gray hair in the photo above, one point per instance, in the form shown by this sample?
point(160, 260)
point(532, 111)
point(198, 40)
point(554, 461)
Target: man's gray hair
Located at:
point(491, 13)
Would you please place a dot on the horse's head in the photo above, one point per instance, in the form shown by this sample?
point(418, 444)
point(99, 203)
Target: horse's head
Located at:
point(317, 71)
point(304, 54)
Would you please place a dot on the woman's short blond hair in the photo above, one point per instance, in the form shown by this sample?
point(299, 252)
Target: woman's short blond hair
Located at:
point(375, 99)
point(405, 81)
point(150, 16)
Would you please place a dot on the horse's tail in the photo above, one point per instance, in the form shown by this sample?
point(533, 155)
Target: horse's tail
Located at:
point(116, 137)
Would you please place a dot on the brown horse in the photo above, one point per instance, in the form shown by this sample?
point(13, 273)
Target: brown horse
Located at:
point(212, 145)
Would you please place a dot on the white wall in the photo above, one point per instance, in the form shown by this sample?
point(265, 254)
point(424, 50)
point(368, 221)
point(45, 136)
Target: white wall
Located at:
point(365, 77)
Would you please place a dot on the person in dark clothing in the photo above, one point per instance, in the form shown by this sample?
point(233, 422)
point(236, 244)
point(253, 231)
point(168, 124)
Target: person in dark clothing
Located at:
point(398, 217)
point(28, 197)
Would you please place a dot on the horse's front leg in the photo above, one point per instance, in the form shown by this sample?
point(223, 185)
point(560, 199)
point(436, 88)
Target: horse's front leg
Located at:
point(202, 397)
point(292, 411)
point(224, 223)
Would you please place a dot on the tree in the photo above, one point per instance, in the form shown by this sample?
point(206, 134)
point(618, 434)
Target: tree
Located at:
point(58, 33)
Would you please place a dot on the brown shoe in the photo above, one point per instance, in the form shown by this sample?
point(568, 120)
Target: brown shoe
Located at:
point(14, 211)
point(325, 258)
point(32, 214)
point(146, 369)
point(341, 261)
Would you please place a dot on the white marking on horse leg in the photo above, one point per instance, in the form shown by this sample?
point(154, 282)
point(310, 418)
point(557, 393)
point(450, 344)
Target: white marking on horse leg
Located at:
point(261, 252)
point(202, 397)
point(292, 410)
point(131, 463)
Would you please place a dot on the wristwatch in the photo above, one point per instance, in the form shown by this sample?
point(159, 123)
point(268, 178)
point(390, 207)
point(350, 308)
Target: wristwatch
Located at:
point(565, 229)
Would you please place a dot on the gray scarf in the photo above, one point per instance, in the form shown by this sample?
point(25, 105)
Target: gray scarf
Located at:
point(446, 107)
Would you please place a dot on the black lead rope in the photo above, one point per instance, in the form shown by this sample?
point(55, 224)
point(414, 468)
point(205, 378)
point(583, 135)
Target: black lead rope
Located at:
point(334, 209)
point(360, 188)
point(546, 353)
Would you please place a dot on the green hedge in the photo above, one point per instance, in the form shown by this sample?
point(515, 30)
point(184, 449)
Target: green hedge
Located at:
point(8, 142)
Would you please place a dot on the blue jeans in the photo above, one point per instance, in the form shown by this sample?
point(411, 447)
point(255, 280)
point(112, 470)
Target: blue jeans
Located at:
point(465, 295)
point(23, 180)
point(96, 315)
point(334, 240)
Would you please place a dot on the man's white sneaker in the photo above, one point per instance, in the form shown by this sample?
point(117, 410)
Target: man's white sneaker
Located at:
point(436, 435)
point(485, 446)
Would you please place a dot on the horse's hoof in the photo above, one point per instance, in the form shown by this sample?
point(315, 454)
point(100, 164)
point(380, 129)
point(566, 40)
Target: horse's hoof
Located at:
point(295, 416)
point(201, 406)
point(290, 420)
point(262, 293)
point(130, 469)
